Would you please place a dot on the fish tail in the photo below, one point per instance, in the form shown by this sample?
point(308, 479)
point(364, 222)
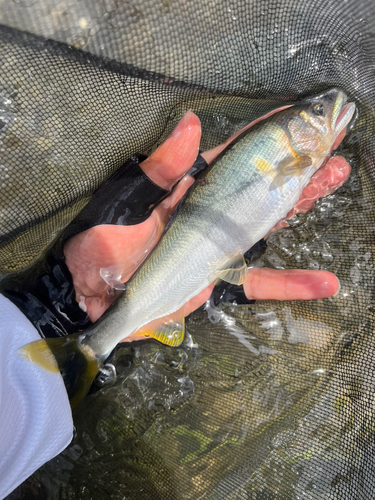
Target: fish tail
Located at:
point(76, 362)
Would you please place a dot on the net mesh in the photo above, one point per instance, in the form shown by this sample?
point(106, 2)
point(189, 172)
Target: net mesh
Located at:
point(263, 401)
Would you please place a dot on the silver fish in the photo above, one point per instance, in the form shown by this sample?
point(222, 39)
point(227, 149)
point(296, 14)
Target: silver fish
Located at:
point(246, 191)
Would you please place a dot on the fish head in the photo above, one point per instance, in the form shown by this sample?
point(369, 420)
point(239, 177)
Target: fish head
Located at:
point(314, 125)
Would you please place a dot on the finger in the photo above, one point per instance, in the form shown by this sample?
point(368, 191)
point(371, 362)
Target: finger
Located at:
point(95, 307)
point(180, 190)
point(324, 182)
point(272, 284)
point(339, 138)
point(176, 155)
point(163, 212)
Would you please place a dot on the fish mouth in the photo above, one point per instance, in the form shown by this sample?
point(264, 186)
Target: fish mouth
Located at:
point(342, 113)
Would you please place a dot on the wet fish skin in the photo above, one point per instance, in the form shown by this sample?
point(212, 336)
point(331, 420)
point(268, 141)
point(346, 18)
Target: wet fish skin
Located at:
point(246, 191)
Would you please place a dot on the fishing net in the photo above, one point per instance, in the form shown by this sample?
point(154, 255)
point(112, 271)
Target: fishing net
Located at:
point(262, 401)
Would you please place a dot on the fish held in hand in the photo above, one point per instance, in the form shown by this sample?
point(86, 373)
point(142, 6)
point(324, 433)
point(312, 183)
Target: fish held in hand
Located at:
point(253, 184)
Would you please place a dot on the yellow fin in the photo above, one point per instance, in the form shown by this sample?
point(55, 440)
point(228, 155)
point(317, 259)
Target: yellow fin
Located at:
point(236, 273)
point(296, 165)
point(169, 330)
point(76, 362)
point(40, 353)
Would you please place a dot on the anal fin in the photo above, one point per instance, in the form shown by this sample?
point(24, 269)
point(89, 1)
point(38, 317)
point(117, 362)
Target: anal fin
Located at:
point(169, 330)
point(236, 272)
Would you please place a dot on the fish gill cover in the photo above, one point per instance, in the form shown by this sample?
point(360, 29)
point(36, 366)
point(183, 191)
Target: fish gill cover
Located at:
point(263, 401)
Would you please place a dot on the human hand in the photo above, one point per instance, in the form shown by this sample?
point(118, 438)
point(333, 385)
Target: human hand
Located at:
point(123, 248)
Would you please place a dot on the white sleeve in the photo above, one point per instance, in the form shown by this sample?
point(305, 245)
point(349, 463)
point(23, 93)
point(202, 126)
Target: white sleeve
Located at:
point(35, 416)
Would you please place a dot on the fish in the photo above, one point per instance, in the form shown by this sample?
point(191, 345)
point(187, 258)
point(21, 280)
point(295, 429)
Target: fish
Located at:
point(251, 186)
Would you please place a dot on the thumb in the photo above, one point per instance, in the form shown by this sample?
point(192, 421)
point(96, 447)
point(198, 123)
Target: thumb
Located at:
point(167, 164)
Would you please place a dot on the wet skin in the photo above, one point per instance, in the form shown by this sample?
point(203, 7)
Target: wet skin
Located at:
point(124, 248)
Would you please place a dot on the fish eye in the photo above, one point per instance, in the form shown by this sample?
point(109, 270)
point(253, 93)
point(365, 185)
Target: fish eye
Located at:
point(318, 109)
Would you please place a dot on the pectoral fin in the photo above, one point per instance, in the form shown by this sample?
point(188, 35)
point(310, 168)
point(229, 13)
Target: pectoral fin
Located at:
point(235, 273)
point(296, 164)
point(169, 330)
